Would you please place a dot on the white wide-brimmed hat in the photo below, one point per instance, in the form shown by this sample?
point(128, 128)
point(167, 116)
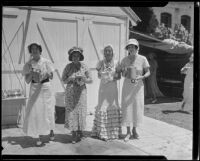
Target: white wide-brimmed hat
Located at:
point(132, 42)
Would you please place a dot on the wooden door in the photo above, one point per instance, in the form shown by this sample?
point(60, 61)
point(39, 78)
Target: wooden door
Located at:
point(13, 27)
point(58, 32)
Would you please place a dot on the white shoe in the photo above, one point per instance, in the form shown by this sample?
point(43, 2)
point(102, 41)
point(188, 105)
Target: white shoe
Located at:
point(52, 138)
point(38, 143)
point(127, 137)
point(154, 101)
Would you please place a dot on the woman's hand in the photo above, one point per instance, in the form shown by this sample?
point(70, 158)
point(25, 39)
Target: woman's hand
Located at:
point(47, 75)
point(71, 78)
point(139, 77)
point(124, 72)
point(184, 70)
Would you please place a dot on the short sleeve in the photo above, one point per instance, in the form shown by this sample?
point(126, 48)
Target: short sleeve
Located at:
point(87, 71)
point(50, 67)
point(26, 69)
point(65, 73)
point(145, 63)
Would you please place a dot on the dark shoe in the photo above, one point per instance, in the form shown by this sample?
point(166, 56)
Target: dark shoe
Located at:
point(80, 135)
point(135, 135)
point(104, 139)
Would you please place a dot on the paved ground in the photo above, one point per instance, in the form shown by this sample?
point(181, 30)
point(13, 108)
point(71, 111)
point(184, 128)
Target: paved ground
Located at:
point(168, 110)
point(156, 138)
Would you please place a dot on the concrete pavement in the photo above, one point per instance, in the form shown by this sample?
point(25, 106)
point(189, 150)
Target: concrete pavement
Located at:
point(156, 138)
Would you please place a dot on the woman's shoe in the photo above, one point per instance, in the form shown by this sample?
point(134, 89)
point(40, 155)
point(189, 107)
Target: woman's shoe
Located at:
point(51, 135)
point(135, 135)
point(79, 135)
point(154, 101)
point(73, 142)
point(39, 142)
point(128, 136)
point(74, 137)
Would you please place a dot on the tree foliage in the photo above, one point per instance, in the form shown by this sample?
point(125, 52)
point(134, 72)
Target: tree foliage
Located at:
point(149, 21)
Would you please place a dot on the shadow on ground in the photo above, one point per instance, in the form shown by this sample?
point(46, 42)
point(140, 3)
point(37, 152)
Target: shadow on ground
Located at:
point(27, 142)
point(175, 111)
point(163, 100)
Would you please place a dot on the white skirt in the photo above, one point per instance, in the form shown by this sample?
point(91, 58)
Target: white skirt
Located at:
point(39, 114)
point(132, 103)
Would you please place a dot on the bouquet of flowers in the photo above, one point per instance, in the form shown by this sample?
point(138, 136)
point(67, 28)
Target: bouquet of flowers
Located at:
point(36, 72)
point(107, 75)
point(79, 78)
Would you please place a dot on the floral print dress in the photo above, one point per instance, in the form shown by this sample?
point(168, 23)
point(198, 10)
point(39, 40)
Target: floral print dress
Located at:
point(75, 97)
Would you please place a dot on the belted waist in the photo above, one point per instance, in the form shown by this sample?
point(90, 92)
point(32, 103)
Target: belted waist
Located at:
point(43, 81)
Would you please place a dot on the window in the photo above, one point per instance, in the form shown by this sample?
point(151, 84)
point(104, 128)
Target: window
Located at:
point(166, 18)
point(185, 21)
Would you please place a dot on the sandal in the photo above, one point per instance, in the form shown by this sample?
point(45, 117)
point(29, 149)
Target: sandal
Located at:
point(154, 101)
point(39, 142)
point(51, 135)
point(135, 135)
point(74, 137)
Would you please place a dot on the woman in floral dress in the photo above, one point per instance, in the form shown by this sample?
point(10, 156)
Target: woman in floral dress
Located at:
point(107, 122)
point(76, 75)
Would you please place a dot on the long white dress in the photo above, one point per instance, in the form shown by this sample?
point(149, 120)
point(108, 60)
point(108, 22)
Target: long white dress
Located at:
point(188, 87)
point(133, 93)
point(39, 113)
point(107, 121)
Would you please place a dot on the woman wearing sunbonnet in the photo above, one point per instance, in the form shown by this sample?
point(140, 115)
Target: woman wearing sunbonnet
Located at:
point(188, 84)
point(107, 121)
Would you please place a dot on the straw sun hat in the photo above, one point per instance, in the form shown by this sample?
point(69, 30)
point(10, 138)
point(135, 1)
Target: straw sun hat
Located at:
point(76, 49)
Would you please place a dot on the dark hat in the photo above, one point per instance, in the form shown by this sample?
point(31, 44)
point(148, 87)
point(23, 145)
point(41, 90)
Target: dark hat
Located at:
point(76, 49)
point(34, 44)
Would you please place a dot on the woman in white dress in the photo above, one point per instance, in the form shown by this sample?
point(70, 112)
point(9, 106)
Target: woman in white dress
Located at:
point(133, 88)
point(39, 113)
point(107, 121)
point(188, 84)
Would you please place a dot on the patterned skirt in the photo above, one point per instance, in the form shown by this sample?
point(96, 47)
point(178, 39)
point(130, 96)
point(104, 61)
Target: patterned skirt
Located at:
point(107, 121)
point(76, 107)
point(107, 124)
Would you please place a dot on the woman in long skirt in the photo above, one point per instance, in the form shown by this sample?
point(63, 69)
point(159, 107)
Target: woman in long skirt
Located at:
point(135, 68)
point(188, 85)
point(107, 121)
point(39, 113)
point(76, 75)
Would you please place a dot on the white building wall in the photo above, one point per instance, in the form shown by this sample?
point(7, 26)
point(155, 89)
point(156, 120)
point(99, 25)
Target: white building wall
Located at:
point(177, 9)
